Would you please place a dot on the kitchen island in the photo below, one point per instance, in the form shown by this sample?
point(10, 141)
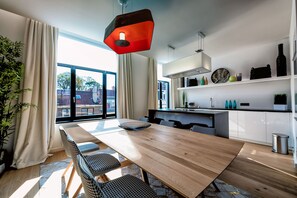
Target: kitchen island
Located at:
point(218, 120)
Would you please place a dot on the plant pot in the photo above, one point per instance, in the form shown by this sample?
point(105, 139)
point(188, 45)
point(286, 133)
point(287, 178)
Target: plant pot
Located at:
point(2, 168)
point(2, 161)
point(5, 161)
point(280, 107)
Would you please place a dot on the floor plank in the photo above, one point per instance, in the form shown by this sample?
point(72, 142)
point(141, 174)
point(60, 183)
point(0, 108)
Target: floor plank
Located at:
point(20, 183)
point(262, 172)
point(256, 170)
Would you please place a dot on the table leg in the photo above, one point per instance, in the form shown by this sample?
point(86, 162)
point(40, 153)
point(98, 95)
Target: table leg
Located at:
point(144, 176)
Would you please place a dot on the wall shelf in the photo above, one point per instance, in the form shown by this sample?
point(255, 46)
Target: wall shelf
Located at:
point(244, 82)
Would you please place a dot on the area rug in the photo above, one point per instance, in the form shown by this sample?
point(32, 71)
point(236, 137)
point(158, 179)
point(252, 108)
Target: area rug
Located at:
point(52, 184)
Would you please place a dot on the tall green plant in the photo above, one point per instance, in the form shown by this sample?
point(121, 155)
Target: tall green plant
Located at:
point(11, 70)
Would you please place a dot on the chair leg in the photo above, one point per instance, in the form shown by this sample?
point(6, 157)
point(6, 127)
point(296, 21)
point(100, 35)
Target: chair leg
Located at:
point(106, 179)
point(103, 177)
point(125, 163)
point(70, 180)
point(216, 187)
point(77, 191)
point(69, 165)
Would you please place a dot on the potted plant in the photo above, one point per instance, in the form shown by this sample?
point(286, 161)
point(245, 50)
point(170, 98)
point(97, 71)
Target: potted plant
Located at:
point(11, 70)
point(280, 102)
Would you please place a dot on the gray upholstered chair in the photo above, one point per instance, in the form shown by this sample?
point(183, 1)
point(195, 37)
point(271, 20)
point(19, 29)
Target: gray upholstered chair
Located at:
point(208, 131)
point(204, 130)
point(85, 147)
point(125, 186)
point(144, 119)
point(99, 164)
point(167, 123)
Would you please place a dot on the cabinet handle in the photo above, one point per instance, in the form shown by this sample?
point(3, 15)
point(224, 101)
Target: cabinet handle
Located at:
point(74, 100)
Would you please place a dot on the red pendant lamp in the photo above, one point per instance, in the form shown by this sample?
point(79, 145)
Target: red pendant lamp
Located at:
point(130, 32)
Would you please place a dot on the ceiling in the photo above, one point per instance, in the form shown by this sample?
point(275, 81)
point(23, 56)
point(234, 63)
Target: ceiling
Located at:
point(227, 24)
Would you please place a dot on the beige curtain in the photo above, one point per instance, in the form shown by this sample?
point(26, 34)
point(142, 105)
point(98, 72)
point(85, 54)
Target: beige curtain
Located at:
point(36, 127)
point(175, 95)
point(152, 84)
point(125, 87)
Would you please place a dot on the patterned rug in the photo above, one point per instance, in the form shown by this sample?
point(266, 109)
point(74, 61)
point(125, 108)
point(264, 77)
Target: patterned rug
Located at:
point(52, 184)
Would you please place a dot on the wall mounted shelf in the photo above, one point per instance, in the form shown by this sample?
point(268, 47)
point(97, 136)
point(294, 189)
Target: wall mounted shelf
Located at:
point(244, 82)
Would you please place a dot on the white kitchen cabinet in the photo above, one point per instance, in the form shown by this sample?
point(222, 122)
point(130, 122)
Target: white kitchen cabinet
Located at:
point(278, 123)
point(252, 126)
point(233, 123)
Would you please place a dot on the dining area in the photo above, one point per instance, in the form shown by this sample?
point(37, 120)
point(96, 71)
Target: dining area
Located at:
point(115, 100)
point(185, 161)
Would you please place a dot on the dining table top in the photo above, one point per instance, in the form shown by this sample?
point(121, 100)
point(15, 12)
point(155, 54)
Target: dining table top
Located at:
point(183, 160)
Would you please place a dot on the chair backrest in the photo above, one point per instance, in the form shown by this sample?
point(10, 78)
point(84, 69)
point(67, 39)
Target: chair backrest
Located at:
point(64, 140)
point(144, 119)
point(204, 130)
point(167, 123)
point(72, 148)
point(91, 187)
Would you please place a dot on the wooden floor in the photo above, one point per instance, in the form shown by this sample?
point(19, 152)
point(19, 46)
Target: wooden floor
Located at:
point(256, 170)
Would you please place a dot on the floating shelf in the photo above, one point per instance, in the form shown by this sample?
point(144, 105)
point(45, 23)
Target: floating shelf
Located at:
point(244, 82)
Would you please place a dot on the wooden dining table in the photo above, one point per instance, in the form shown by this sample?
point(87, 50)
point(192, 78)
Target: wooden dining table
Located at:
point(183, 160)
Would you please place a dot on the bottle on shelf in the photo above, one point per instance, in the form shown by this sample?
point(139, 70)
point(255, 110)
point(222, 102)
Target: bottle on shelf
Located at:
point(230, 104)
point(226, 104)
point(202, 81)
point(281, 63)
point(234, 105)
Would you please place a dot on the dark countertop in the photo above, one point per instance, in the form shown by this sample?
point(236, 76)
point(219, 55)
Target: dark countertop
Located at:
point(192, 111)
point(245, 109)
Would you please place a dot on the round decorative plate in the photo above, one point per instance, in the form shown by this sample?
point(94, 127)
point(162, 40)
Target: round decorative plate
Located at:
point(221, 75)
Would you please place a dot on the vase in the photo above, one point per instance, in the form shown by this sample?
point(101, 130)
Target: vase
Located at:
point(202, 81)
point(234, 106)
point(226, 104)
point(281, 63)
point(230, 104)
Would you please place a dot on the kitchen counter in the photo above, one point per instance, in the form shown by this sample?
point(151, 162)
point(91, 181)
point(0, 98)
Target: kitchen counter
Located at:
point(239, 109)
point(218, 120)
point(194, 111)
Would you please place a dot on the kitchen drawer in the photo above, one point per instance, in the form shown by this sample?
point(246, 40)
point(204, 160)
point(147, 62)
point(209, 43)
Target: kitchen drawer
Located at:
point(233, 124)
point(252, 126)
point(278, 123)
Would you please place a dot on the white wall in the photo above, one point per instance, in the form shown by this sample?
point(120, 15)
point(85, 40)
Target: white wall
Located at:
point(140, 85)
point(241, 61)
point(12, 26)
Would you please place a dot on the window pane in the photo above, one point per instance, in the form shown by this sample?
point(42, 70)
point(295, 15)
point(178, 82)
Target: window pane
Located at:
point(63, 92)
point(165, 91)
point(88, 93)
point(77, 52)
point(163, 94)
point(110, 90)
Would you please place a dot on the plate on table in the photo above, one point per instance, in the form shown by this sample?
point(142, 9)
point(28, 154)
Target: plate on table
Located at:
point(220, 75)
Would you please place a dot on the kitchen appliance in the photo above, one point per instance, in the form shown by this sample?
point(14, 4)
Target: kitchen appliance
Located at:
point(260, 72)
point(192, 82)
point(198, 63)
point(192, 105)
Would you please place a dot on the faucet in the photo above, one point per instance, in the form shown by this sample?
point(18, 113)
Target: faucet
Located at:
point(211, 102)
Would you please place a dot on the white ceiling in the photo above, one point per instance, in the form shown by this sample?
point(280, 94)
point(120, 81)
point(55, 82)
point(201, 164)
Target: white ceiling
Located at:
point(228, 24)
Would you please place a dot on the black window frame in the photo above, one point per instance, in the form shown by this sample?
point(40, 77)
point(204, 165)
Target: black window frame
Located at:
point(160, 91)
point(73, 117)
